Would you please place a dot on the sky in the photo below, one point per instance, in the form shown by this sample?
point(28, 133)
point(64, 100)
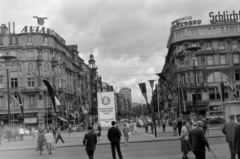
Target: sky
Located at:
point(128, 38)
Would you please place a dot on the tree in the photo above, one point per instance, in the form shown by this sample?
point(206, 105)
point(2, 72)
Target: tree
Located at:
point(137, 110)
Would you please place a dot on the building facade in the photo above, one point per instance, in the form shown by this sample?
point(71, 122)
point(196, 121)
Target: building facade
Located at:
point(41, 54)
point(127, 93)
point(215, 50)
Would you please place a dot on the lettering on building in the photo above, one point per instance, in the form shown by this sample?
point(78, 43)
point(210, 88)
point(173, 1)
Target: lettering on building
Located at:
point(224, 17)
point(45, 73)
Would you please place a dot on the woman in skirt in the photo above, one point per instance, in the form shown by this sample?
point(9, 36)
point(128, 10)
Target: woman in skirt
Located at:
point(185, 145)
point(126, 133)
point(49, 141)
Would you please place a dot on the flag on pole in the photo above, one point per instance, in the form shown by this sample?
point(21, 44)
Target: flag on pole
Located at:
point(51, 94)
point(233, 89)
point(183, 99)
point(143, 90)
point(18, 100)
point(57, 101)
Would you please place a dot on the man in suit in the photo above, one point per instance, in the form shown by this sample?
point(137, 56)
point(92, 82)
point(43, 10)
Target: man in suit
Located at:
point(90, 141)
point(114, 136)
point(228, 130)
point(236, 138)
point(198, 141)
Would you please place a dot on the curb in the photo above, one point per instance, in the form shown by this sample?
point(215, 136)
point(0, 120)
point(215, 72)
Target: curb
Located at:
point(157, 140)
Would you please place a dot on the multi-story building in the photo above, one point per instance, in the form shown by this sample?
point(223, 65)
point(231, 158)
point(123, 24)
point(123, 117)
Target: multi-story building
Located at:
point(215, 49)
point(127, 93)
point(40, 54)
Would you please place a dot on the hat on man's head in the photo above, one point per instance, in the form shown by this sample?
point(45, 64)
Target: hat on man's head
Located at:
point(90, 127)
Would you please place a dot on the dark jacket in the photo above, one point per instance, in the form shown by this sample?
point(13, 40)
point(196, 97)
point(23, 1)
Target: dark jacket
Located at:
point(90, 141)
point(114, 134)
point(236, 138)
point(41, 137)
point(179, 124)
point(198, 140)
point(228, 130)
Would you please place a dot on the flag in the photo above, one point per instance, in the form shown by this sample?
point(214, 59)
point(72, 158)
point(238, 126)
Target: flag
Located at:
point(221, 91)
point(51, 94)
point(144, 93)
point(233, 90)
point(57, 101)
point(18, 100)
point(170, 96)
point(183, 99)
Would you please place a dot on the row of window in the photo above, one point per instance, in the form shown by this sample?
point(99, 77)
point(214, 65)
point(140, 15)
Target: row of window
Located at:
point(14, 41)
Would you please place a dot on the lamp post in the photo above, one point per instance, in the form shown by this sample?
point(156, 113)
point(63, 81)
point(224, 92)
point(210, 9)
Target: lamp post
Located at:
point(8, 57)
point(153, 114)
point(195, 104)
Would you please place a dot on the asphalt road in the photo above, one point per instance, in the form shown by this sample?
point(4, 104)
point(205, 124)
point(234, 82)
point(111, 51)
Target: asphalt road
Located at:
point(152, 150)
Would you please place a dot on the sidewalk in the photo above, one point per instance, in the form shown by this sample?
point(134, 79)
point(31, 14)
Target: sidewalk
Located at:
point(76, 139)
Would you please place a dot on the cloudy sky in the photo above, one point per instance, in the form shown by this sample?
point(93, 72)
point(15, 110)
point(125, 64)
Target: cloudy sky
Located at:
point(128, 37)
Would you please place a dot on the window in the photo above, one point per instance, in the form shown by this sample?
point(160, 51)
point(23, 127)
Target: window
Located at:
point(16, 40)
point(237, 74)
point(195, 61)
point(47, 100)
point(20, 67)
point(14, 82)
point(214, 93)
point(30, 82)
point(1, 41)
point(232, 29)
point(30, 55)
point(1, 82)
point(45, 41)
point(223, 60)
point(183, 78)
point(2, 104)
point(46, 67)
point(209, 60)
point(198, 77)
point(221, 45)
point(235, 58)
point(19, 54)
point(209, 46)
point(10, 41)
point(14, 66)
point(194, 97)
point(31, 99)
point(46, 55)
point(30, 67)
point(29, 40)
point(216, 59)
point(182, 63)
point(226, 96)
point(217, 77)
point(179, 34)
point(192, 32)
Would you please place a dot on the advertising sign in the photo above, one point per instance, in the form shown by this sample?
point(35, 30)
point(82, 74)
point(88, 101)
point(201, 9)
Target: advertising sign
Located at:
point(106, 108)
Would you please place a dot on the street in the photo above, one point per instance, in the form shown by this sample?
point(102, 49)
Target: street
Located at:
point(141, 150)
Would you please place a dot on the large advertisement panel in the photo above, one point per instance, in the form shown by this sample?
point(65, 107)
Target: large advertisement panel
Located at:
point(106, 108)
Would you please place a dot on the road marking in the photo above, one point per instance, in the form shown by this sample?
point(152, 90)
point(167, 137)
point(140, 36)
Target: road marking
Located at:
point(150, 135)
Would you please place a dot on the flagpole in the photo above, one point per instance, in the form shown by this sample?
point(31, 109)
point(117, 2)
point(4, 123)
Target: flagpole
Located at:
point(141, 98)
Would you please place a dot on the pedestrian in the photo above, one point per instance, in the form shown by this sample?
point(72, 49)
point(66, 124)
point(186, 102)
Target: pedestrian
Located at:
point(99, 131)
point(21, 133)
point(164, 125)
point(49, 141)
point(185, 145)
point(228, 130)
point(54, 131)
point(135, 127)
point(175, 125)
point(90, 141)
point(114, 136)
point(205, 123)
point(40, 141)
point(146, 126)
point(179, 126)
point(151, 126)
point(126, 134)
point(236, 138)
point(9, 134)
point(59, 136)
point(198, 141)
point(208, 126)
point(69, 130)
point(1, 136)
point(189, 124)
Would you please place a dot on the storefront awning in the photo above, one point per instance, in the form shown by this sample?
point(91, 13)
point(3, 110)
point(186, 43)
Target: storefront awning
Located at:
point(73, 115)
point(30, 120)
point(62, 119)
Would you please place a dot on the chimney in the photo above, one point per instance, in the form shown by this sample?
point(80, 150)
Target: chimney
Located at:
point(13, 27)
point(9, 27)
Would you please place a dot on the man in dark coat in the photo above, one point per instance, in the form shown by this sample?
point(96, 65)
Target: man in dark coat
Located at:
point(114, 136)
point(198, 141)
point(228, 130)
point(90, 141)
point(179, 126)
point(236, 138)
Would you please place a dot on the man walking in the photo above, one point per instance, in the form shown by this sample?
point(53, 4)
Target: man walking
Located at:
point(236, 138)
point(90, 141)
point(59, 136)
point(179, 126)
point(174, 127)
point(114, 136)
point(198, 141)
point(228, 130)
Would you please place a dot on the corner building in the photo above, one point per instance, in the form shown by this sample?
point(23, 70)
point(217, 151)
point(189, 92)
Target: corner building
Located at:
point(41, 55)
point(216, 62)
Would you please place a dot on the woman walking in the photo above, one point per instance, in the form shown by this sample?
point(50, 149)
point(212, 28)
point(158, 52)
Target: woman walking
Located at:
point(59, 136)
point(49, 141)
point(185, 145)
point(40, 141)
point(126, 133)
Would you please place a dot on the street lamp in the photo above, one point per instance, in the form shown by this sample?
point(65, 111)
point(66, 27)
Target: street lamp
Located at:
point(195, 104)
point(153, 114)
point(8, 57)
